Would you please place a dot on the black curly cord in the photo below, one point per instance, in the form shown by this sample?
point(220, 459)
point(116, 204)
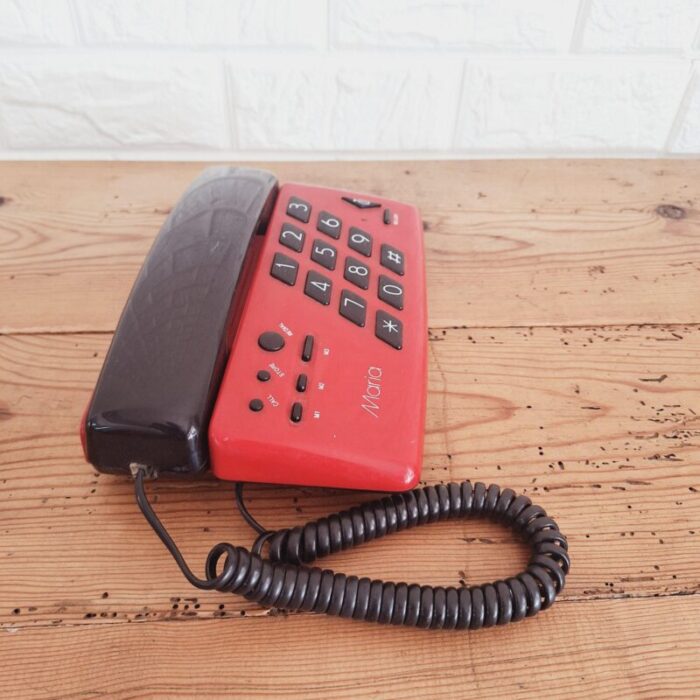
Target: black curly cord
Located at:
point(283, 582)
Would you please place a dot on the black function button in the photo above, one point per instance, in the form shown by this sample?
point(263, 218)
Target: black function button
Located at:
point(356, 272)
point(361, 203)
point(360, 241)
point(329, 224)
point(388, 216)
point(284, 268)
point(353, 307)
point(296, 412)
point(392, 259)
point(256, 405)
point(271, 341)
point(299, 209)
point(308, 349)
point(324, 254)
point(389, 329)
point(263, 375)
point(391, 292)
point(292, 237)
point(302, 381)
point(318, 287)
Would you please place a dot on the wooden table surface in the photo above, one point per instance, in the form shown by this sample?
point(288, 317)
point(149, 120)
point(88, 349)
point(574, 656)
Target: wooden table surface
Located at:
point(564, 362)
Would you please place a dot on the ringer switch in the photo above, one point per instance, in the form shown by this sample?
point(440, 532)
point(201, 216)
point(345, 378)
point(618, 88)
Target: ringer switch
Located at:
point(308, 348)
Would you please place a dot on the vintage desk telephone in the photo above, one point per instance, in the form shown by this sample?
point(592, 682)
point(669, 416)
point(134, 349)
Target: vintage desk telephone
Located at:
point(279, 335)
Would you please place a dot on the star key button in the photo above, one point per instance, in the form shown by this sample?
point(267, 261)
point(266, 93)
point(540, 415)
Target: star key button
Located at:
point(389, 329)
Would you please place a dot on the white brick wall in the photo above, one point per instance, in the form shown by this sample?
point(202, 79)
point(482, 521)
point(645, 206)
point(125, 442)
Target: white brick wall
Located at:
point(246, 79)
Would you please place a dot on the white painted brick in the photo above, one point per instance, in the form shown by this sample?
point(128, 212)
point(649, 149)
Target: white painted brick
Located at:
point(631, 25)
point(204, 22)
point(316, 105)
point(35, 22)
point(564, 104)
point(687, 139)
point(542, 25)
point(112, 101)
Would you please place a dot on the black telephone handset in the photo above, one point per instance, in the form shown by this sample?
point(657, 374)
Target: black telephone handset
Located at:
point(273, 335)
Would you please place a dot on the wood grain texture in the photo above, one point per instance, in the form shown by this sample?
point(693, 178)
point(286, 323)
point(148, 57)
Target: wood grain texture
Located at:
point(587, 400)
point(531, 242)
point(599, 649)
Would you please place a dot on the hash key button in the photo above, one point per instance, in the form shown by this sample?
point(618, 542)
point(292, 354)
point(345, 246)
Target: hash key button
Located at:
point(329, 224)
point(353, 307)
point(318, 287)
point(389, 329)
point(392, 259)
point(284, 269)
point(391, 292)
point(299, 209)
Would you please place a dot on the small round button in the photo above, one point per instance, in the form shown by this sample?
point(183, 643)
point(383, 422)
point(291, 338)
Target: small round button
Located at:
point(263, 375)
point(271, 341)
point(255, 405)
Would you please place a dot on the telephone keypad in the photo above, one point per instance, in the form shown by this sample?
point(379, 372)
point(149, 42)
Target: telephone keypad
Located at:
point(299, 209)
point(360, 241)
point(324, 254)
point(292, 237)
point(389, 329)
point(329, 224)
point(284, 269)
point(391, 292)
point(353, 307)
point(392, 259)
point(318, 287)
point(356, 272)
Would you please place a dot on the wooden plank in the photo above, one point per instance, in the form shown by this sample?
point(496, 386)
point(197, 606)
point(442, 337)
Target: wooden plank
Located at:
point(601, 427)
point(600, 649)
point(522, 242)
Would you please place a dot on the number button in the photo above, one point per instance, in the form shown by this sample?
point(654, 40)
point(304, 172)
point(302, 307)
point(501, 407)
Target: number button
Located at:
point(292, 237)
point(389, 329)
point(356, 272)
point(392, 259)
point(318, 287)
point(299, 209)
point(353, 307)
point(284, 269)
point(324, 254)
point(329, 224)
point(391, 292)
point(360, 241)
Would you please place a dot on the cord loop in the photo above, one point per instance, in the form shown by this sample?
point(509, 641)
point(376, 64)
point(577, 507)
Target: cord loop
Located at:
point(284, 581)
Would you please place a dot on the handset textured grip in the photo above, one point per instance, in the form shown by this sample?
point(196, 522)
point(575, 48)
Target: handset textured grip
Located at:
point(152, 402)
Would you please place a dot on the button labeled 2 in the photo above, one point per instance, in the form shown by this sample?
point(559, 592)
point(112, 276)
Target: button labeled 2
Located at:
point(292, 237)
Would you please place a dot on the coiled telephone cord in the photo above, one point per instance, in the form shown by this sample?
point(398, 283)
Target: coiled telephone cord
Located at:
point(283, 581)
